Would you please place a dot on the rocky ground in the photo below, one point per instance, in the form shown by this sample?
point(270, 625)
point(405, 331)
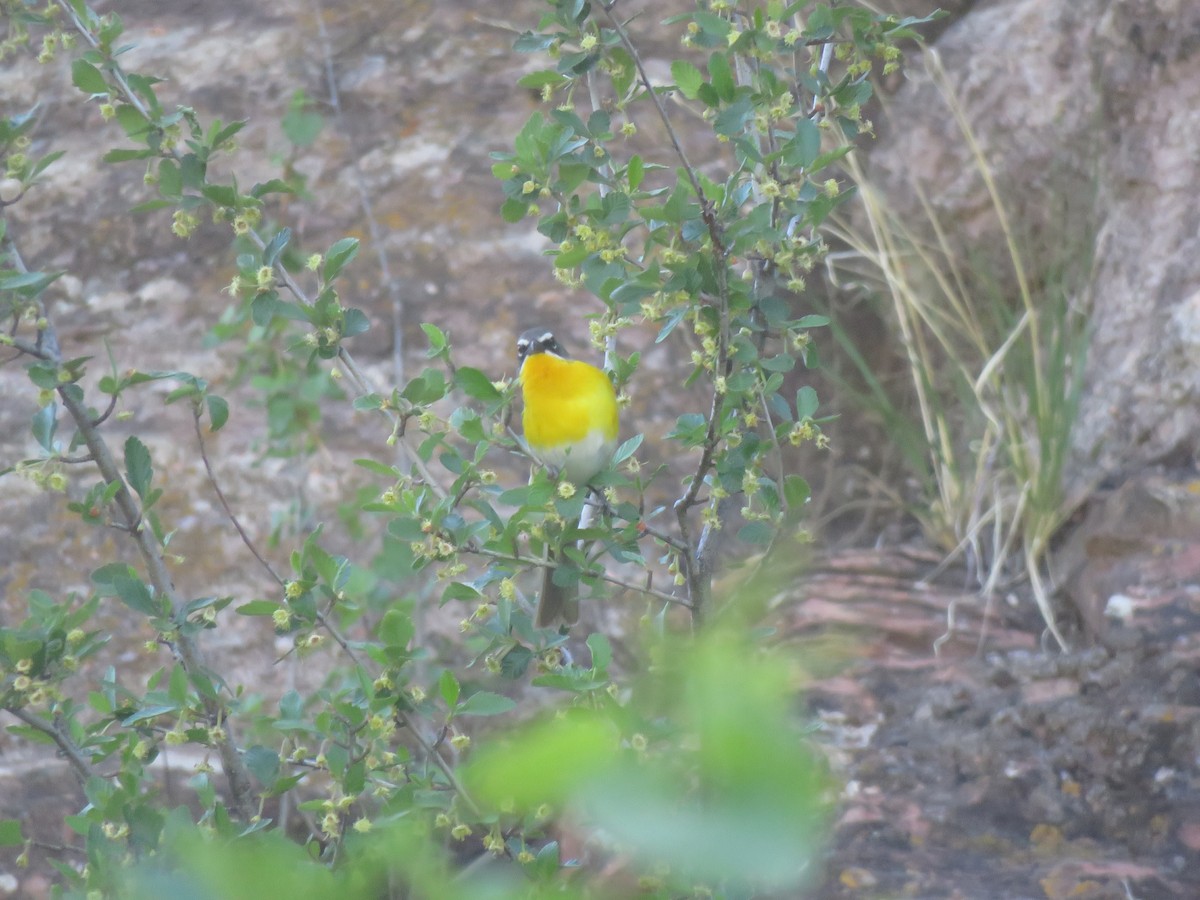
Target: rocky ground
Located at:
point(999, 770)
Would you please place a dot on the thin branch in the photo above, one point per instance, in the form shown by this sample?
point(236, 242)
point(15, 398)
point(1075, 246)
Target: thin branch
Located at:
point(602, 576)
point(100, 419)
point(441, 763)
point(82, 768)
point(76, 460)
point(26, 347)
point(689, 170)
point(212, 480)
point(186, 649)
point(364, 198)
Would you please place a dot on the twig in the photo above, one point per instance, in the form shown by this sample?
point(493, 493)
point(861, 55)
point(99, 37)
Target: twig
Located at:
point(364, 199)
point(603, 576)
point(79, 765)
point(212, 480)
point(241, 787)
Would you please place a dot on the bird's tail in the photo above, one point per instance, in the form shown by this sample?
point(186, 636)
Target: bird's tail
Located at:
point(556, 604)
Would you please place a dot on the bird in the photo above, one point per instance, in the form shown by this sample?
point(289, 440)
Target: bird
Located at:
point(570, 423)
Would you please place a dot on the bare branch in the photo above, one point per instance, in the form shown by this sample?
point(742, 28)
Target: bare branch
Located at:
point(79, 764)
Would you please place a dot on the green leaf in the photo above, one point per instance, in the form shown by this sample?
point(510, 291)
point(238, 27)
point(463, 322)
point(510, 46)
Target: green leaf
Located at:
point(125, 154)
point(133, 592)
point(812, 321)
point(151, 205)
point(601, 651)
point(756, 532)
point(535, 81)
point(257, 608)
point(263, 308)
point(10, 833)
point(149, 712)
point(28, 283)
point(484, 703)
point(515, 662)
point(545, 764)
point(218, 411)
point(722, 76)
point(373, 465)
point(87, 78)
point(271, 186)
point(476, 384)
point(138, 470)
point(263, 763)
point(802, 150)
point(795, 492)
point(106, 576)
point(513, 210)
point(396, 629)
point(627, 449)
point(355, 322)
point(45, 423)
point(170, 178)
point(338, 256)
point(733, 118)
point(806, 402)
point(687, 78)
point(302, 126)
point(177, 686)
point(368, 403)
point(449, 688)
point(438, 342)
point(635, 172)
point(132, 122)
point(271, 252)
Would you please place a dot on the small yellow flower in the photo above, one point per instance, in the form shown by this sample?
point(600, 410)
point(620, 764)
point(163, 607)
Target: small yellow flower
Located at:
point(331, 824)
point(183, 223)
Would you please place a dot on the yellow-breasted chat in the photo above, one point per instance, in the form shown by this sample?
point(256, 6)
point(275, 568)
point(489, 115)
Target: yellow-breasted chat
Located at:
point(570, 423)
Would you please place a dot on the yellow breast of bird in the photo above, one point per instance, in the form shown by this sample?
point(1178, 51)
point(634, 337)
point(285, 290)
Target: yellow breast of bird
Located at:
point(570, 417)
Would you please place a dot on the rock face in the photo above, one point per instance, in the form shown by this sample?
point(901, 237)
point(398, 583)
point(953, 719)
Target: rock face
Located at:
point(1088, 114)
